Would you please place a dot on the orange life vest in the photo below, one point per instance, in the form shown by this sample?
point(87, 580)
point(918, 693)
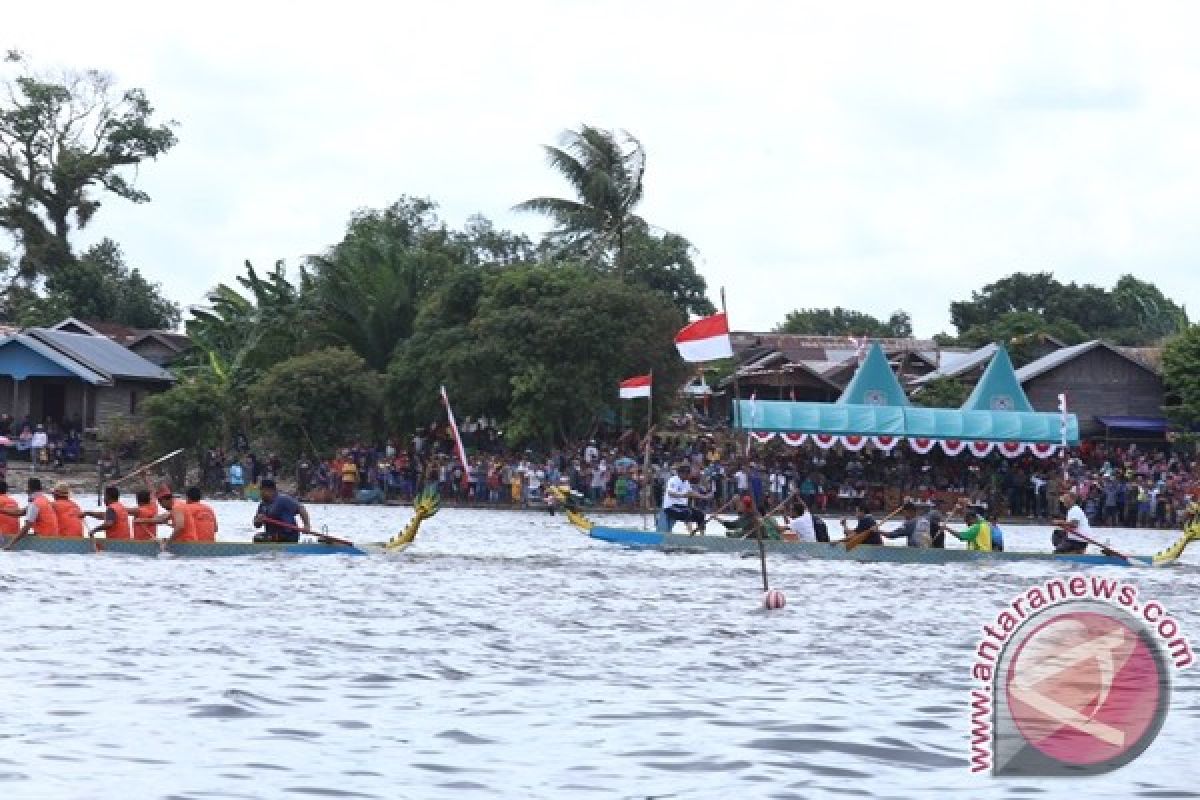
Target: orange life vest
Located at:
point(199, 523)
point(9, 526)
point(120, 528)
point(70, 524)
point(143, 528)
point(46, 523)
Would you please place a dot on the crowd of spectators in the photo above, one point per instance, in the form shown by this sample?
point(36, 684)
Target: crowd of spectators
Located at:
point(1128, 485)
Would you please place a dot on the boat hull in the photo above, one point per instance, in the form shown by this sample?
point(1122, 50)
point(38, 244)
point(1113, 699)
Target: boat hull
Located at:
point(152, 548)
point(670, 542)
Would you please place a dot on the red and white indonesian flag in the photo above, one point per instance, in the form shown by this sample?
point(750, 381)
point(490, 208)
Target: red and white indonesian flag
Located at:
point(458, 445)
point(705, 339)
point(638, 386)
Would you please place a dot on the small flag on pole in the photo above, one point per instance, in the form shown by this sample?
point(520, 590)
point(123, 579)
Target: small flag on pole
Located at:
point(705, 339)
point(637, 386)
point(458, 445)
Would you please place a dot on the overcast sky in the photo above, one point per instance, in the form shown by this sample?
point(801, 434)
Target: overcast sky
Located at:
point(894, 156)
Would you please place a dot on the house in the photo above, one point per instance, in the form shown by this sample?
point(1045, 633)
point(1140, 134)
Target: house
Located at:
point(160, 347)
point(55, 376)
point(1115, 391)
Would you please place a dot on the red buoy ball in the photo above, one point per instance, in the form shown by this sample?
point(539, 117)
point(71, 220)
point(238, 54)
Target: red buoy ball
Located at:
point(774, 599)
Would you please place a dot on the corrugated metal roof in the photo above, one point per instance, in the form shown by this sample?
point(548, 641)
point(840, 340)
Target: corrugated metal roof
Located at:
point(1055, 359)
point(954, 364)
point(53, 355)
point(101, 355)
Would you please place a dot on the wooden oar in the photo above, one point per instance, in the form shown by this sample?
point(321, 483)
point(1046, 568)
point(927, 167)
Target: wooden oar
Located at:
point(145, 467)
point(282, 524)
point(762, 546)
point(714, 515)
point(855, 539)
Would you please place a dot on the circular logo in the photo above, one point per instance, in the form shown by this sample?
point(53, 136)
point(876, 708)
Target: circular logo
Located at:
point(874, 397)
point(1087, 687)
point(1002, 402)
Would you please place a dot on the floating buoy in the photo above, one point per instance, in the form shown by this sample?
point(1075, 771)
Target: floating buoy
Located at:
point(774, 599)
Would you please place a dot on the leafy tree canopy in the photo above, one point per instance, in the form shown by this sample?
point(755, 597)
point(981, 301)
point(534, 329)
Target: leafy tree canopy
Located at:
point(942, 392)
point(64, 140)
point(838, 321)
point(1181, 378)
point(1133, 312)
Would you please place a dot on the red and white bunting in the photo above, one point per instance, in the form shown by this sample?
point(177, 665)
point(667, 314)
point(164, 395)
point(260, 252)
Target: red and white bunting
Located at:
point(637, 386)
point(921, 446)
point(953, 447)
point(1044, 450)
point(794, 439)
point(854, 443)
point(1010, 449)
point(824, 440)
point(979, 449)
point(762, 437)
point(885, 443)
point(706, 339)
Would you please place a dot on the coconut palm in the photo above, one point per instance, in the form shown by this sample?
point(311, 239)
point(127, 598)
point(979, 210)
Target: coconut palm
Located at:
point(605, 169)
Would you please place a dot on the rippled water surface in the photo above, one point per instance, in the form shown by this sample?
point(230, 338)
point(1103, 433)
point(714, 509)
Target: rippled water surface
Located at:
point(505, 655)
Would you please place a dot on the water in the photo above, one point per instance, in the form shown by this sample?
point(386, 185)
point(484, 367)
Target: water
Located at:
point(505, 655)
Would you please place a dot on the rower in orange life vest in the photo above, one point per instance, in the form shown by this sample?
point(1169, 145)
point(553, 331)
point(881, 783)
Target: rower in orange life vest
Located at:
point(40, 518)
point(68, 512)
point(192, 521)
point(115, 516)
point(10, 513)
point(146, 517)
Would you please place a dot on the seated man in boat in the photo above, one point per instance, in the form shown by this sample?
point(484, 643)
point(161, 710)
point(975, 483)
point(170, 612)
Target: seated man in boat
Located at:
point(914, 529)
point(192, 521)
point(68, 512)
point(747, 515)
point(864, 524)
point(278, 513)
point(978, 533)
point(115, 516)
point(677, 498)
point(40, 518)
point(1072, 533)
point(802, 527)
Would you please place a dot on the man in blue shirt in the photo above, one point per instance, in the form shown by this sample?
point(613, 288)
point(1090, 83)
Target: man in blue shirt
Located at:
point(278, 513)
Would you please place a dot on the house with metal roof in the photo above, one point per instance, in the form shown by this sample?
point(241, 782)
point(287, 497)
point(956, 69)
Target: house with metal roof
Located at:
point(54, 377)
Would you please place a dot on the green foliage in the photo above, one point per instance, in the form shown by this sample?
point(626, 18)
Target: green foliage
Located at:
point(942, 392)
point(63, 140)
point(840, 321)
point(1133, 312)
point(190, 415)
point(664, 264)
point(604, 168)
point(1021, 332)
point(542, 349)
point(317, 401)
point(1181, 378)
point(100, 286)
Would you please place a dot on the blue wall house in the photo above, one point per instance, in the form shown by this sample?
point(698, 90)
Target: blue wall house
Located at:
point(55, 377)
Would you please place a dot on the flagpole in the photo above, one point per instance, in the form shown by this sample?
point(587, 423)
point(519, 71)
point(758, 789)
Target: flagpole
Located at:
point(737, 392)
point(647, 482)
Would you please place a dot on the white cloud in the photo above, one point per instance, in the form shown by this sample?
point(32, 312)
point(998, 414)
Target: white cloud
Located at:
point(873, 156)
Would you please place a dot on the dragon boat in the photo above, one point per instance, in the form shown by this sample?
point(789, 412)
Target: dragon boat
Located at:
point(424, 506)
point(893, 554)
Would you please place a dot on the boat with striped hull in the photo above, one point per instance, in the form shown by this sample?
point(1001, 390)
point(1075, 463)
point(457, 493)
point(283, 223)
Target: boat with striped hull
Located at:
point(152, 548)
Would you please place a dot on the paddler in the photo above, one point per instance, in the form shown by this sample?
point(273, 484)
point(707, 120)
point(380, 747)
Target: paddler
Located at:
point(10, 513)
point(677, 499)
point(977, 535)
point(1072, 533)
point(277, 508)
point(68, 513)
point(192, 521)
point(40, 519)
point(914, 529)
point(115, 516)
point(146, 517)
point(864, 522)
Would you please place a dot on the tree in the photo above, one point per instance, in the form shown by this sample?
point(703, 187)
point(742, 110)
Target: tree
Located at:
point(944, 392)
point(1021, 332)
point(65, 139)
point(99, 287)
point(318, 401)
point(1181, 378)
point(190, 416)
point(1133, 312)
point(663, 263)
point(542, 350)
point(605, 169)
point(367, 288)
point(840, 321)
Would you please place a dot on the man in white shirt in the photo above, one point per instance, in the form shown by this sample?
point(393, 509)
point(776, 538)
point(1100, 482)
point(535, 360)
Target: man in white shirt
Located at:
point(1074, 532)
point(677, 497)
point(802, 525)
point(591, 453)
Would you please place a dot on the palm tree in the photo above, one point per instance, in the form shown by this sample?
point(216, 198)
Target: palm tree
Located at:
point(605, 169)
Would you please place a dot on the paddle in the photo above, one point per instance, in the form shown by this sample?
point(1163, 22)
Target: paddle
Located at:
point(145, 467)
point(855, 539)
point(324, 536)
point(762, 546)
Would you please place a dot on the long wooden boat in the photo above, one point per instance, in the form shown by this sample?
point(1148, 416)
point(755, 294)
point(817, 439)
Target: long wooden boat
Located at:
point(895, 554)
point(424, 506)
